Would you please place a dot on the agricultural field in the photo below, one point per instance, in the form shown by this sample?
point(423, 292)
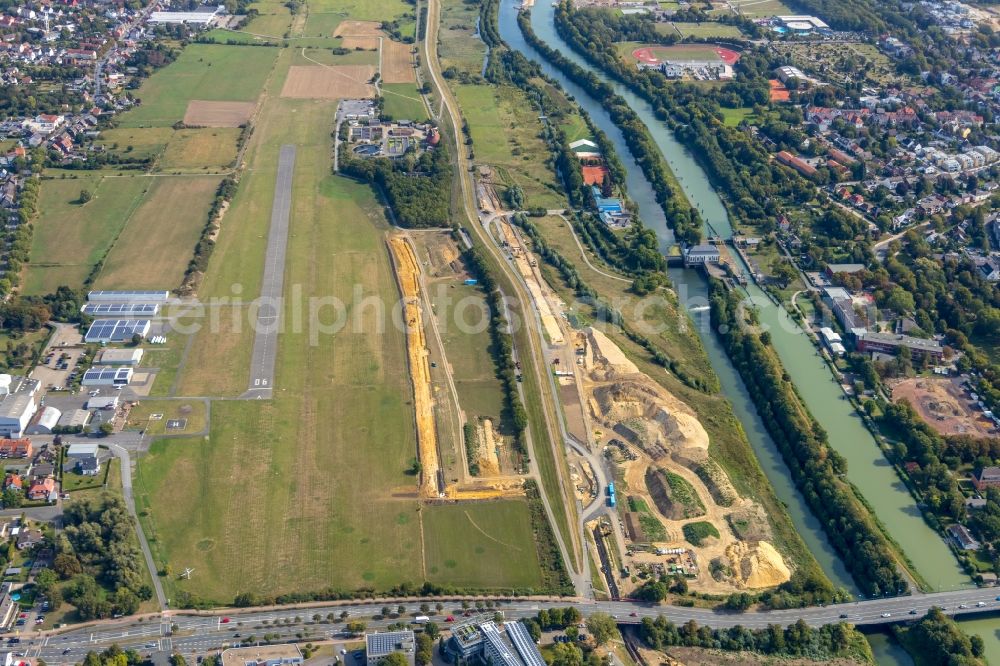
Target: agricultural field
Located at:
point(487, 544)
point(201, 72)
point(504, 131)
point(157, 242)
point(403, 101)
point(71, 237)
point(208, 149)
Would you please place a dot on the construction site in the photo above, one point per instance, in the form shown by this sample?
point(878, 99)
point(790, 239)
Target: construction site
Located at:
point(462, 450)
point(679, 512)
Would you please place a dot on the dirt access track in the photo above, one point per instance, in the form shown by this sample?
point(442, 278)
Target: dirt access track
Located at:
point(329, 82)
point(942, 403)
point(201, 113)
point(407, 273)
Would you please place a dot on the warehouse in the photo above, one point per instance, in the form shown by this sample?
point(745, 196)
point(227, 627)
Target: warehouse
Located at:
point(107, 377)
point(45, 420)
point(116, 330)
point(121, 357)
point(17, 404)
point(135, 296)
point(203, 15)
point(103, 402)
point(121, 309)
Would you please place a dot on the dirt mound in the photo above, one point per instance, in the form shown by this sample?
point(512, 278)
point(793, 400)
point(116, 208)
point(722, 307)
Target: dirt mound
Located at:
point(749, 523)
point(651, 418)
point(608, 359)
point(486, 454)
point(717, 482)
point(675, 505)
point(757, 566)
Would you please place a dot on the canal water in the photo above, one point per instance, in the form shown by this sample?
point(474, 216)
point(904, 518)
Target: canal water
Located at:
point(693, 291)
point(868, 469)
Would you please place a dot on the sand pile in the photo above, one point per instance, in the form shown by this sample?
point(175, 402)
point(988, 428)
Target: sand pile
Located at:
point(608, 360)
point(756, 566)
point(665, 421)
point(486, 455)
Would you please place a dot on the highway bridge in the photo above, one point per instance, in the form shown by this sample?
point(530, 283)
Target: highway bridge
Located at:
point(196, 634)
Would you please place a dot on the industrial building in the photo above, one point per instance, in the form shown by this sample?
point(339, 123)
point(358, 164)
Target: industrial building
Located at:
point(380, 645)
point(132, 309)
point(705, 253)
point(74, 418)
point(121, 357)
point(107, 377)
point(891, 343)
point(17, 404)
point(45, 420)
point(480, 637)
point(77, 452)
point(116, 330)
point(202, 16)
point(103, 402)
point(134, 296)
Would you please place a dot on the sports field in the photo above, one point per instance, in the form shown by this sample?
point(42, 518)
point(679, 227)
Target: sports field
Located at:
point(70, 237)
point(201, 72)
point(481, 544)
point(684, 52)
point(703, 30)
point(156, 244)
point(756, 8)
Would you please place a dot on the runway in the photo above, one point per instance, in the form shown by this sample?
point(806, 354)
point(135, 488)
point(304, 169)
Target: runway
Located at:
point(268, 311)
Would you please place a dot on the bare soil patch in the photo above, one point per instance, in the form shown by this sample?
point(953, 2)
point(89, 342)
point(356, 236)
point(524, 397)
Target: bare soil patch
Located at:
point(333, 82)
point(360, 42)
point(397, 62)
point(358, 29)
point(201, 113)
point(942, 403)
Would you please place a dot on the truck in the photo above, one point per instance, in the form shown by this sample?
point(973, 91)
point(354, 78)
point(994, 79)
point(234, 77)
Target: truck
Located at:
point(421, 619)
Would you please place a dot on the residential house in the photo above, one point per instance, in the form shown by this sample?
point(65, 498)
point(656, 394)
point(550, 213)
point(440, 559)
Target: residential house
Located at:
point(16, 448)
point(42, 488)
point(987, 477)
point(962, 537)
point(29, 539)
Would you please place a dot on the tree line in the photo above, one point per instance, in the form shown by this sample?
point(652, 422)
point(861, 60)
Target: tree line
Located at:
point(684, 220)
point(826, 643)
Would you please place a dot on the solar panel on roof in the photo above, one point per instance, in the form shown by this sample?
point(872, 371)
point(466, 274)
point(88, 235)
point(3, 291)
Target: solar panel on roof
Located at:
point(116, 330)
point(157, 295)
point(121, 308)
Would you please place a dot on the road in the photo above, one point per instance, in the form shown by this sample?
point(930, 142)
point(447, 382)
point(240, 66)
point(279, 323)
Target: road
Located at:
point(199, 633)
point(126, 470)
point(266, 322)
point(531, 333)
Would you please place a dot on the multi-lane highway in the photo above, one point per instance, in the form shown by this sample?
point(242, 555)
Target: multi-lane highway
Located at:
point(199, 634)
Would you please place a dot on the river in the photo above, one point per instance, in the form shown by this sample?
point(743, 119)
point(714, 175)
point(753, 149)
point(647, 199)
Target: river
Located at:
point(868, 469)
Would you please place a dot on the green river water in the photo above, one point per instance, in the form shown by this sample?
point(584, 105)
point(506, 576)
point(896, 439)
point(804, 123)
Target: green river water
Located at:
point(868, 468)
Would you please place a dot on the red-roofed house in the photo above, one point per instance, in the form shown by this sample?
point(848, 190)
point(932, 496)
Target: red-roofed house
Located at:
point(15, 448)
point(42, 488)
